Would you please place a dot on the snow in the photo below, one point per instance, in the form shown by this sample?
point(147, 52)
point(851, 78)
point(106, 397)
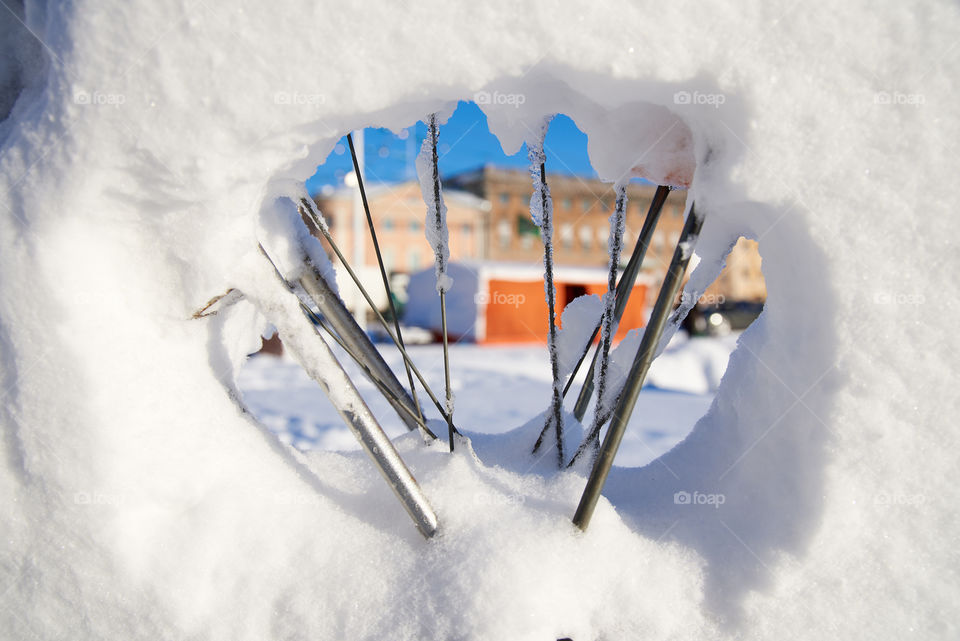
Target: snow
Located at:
point(681, 386)
point(578, 320)
point(143, 502)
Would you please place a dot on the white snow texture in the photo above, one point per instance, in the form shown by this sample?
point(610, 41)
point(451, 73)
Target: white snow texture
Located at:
point(143, 141)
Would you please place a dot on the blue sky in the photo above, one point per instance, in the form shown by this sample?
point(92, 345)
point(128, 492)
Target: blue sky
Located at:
point(465, 143)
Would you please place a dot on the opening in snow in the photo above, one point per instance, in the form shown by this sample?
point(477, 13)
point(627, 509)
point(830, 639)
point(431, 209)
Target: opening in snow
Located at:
point(496, 307)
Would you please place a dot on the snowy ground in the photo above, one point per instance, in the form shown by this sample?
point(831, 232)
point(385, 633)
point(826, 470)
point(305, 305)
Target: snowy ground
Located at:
point(497, 388)
point(148, 150)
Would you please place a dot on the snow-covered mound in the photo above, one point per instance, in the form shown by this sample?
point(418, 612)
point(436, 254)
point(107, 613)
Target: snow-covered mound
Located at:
point(816, 499)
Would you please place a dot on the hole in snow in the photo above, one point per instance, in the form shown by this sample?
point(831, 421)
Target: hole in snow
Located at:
point(496, 309)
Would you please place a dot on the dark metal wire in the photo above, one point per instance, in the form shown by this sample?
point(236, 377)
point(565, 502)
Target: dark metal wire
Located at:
point(441, 267)
point(556, 416)
point(608, 321)
point(624, 289)
point(383, 271)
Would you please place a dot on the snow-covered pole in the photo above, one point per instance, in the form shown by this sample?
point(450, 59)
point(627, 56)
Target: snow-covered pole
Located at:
point(343, 395)
point(360, 347)
point(541, 210)
point(383, 271)
point(641, 364)
point(624, 289)
point(395, 400)
point(438, 236)
point(318, 223)
point(608, 321)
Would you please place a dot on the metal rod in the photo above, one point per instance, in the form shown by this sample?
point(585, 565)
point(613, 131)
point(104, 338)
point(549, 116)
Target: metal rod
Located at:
point(355, 413)
point(393, 391)
point(395, 401)
point(360, 346)
point(383, 271)
point(546, 226)
point(624, 289)
point(638, 372)
point(441, 232)
point(322, 228)
point(608, 321)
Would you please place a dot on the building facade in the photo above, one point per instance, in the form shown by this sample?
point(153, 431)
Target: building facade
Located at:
point(399, 215)
point(581, 210)
point(488, 217)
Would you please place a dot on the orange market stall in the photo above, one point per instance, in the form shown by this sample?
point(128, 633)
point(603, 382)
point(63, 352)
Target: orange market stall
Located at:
point(495, 302)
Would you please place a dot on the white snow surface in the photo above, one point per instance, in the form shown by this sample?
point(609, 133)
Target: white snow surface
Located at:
point(682, 384)
point(141, 502)
point(577, 322)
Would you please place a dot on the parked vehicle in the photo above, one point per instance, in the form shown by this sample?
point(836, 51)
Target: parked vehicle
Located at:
point(718, 320)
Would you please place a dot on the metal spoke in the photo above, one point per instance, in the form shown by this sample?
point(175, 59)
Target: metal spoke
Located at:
point(321, 226)
point(383, 271)
point(357, 416)
point(638, 372)
point(555, 417)
point(396, 401)
point(624, 289)
point(608, 321)
point(440, 228)
point(359, 346)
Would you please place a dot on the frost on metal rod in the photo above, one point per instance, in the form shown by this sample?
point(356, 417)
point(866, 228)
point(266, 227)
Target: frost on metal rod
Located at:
point(320, 226)
point(438, 236)
point(608, 322)
point(541, 210)
point(436, 221)
point(296, 254)
point(285, 311)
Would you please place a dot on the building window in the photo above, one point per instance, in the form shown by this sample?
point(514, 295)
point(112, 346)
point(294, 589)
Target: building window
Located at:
point(388, 224)
point(388, 259)
point(466, 230)
point(587, 204)
point(503, 233)
point(566, 236)
point(658, 241)
point(603, 235)
point(414, 225)
point(567, 203)
point(413, 260)
point(586, 238)
point(526, 227)
point(677, 212)
point(504, 198)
